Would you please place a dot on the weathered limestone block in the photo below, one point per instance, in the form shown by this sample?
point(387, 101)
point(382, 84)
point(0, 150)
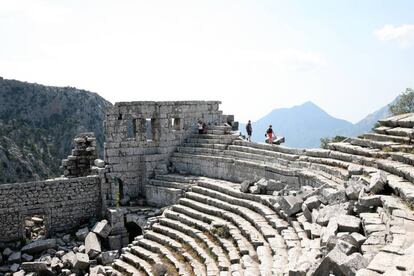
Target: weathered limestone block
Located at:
point(330, 211)
point(15, 257)
point(355, 169)
point(244, 186)
point(27, 257)
point(353, 189)
point(312, 202)
point(108, 257)
point(102, 228)
point(69, 258)
point(81, 261)
point(348, 223)
point(92, 245)
point(255, 189)
point(329, 231)
point(34, 266)
point(290, 204)
point(39, 246)
point(377, 182)
point(332, 196)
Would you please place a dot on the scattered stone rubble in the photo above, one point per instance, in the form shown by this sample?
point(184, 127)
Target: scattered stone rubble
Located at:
point(89, 250)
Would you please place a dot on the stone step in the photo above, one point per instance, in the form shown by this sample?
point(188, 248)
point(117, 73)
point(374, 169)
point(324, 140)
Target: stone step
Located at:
point(212, 214)
point(198, 220)
point(263, 152)
point(254, 219)
point(387, 138)
point(182, 223)
point(208, 261)
point(176, 178)
point(403, 120)
point(166, 253)
point(146, 255)
point(366, 143)
point(126, 269)
point(214, 136)
point(356, 150)
point(225, 191)
point(397, 131)
point(269, 147)
point(199, 150)
point(137, 263)
point(216, 132)
point(211, 146)
point(224, 140)
point(169, 184)
point(196, 266)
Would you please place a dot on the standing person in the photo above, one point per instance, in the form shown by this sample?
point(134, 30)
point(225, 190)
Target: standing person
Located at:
point(200, 127)
point(249, 131)
point(269, 134)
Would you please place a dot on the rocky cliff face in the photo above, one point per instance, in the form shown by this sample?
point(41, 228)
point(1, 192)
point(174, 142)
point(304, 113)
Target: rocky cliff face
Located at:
point(37, 125)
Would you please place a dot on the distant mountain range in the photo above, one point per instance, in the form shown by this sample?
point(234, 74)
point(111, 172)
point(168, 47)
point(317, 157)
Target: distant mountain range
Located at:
point(38, 124)
point(304, 125)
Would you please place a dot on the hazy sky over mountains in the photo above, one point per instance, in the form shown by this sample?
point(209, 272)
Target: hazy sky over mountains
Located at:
point(349, 57)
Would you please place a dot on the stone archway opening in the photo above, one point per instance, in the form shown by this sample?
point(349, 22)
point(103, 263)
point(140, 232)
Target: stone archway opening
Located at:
point(133, 229)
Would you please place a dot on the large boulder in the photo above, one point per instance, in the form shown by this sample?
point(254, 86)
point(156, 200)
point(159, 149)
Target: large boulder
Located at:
point(81, 261)
point(378, 182)
point(244, 186)
point(326, 213)
point(332, 196)
point(15, 257)
point(39, 246)
point(339, 264)
point(290, 204)
point(82, 233)
point(348, 223)
point(102, 228)
point(34, 266)
point(92, 245)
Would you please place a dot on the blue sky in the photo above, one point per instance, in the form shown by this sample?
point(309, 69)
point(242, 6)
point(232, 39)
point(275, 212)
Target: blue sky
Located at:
point(349, 57)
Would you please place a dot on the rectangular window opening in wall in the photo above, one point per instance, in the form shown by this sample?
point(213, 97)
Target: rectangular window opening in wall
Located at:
point(148, 128)
point(34, 227)
point(131, 128)
point(175, 124)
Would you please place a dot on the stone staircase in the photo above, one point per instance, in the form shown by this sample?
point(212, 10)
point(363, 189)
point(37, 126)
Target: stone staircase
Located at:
point(212, 228)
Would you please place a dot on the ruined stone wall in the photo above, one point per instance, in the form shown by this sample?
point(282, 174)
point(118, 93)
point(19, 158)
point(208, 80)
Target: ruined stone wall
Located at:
point(64, 203)
point(140, 136)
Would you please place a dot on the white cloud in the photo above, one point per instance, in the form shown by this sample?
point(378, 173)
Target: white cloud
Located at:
point(403, 34)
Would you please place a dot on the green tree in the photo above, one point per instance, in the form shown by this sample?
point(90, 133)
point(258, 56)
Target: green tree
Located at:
point(404, 104)
point(326, 140)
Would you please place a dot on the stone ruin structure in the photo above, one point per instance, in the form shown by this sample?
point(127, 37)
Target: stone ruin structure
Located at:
point(232, 207)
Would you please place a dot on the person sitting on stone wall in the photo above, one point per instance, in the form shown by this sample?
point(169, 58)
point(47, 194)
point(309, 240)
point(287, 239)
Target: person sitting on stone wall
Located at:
point(270, 135)
point(200, 126)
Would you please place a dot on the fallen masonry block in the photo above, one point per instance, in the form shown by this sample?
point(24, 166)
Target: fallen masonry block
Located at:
point(332, 196)
point(102, 228)
point(81, 261)
point(244, 186)
point(34, 266)
point(348, 223)
point(92, 245)
point(330, 211)
point(312, 202)
point(377, 182)
point(39, 246)
point(290, 204)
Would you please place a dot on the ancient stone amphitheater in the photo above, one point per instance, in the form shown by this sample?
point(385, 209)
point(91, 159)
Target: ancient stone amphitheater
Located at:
point(231, 207)
point(241, 208)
